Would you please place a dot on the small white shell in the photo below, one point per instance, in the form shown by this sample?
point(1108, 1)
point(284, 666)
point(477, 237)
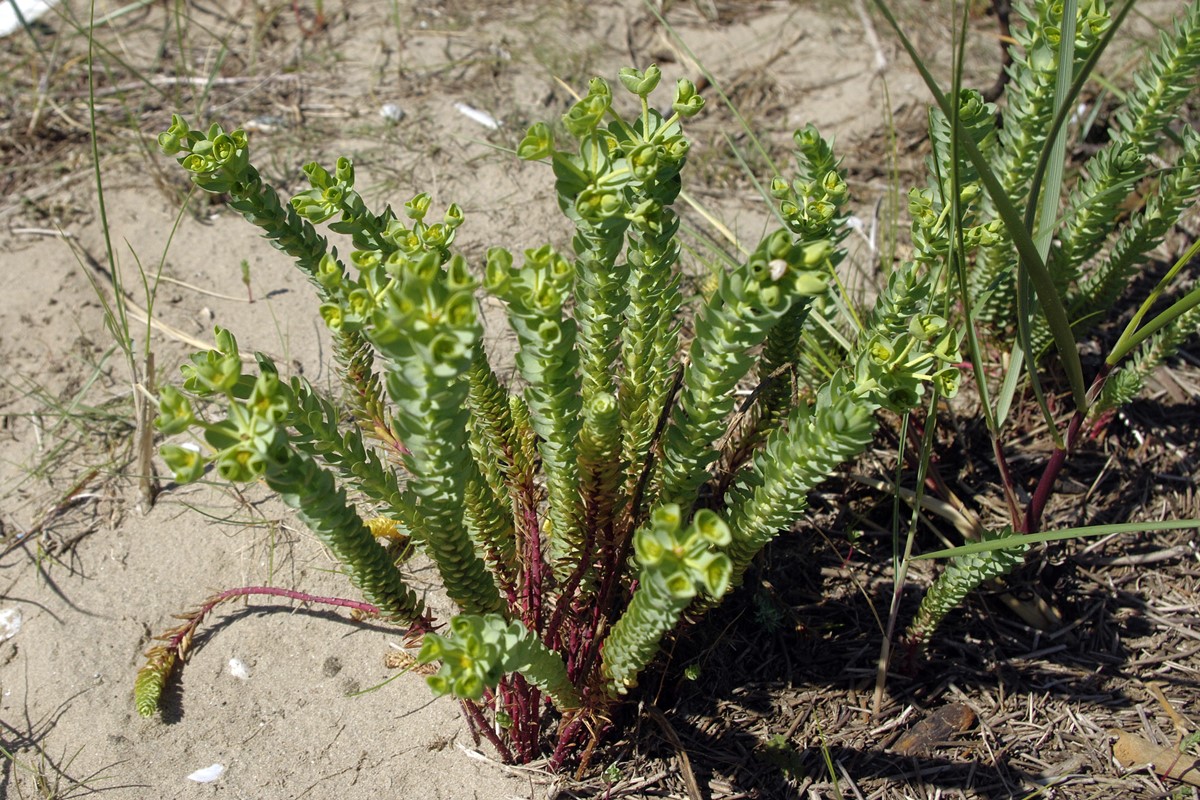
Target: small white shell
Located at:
point(391, 112)
point(208, 774)
point(10, 623)
point(475, 115)
point(238, 669)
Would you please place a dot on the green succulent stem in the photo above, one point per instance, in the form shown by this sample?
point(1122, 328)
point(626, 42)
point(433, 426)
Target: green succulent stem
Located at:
point(427, 326)
point(548, 360)
point(601, 473)
point(367, 401)
point(601, 299)
point(777, 372)
point(677, 562)
point(771, 493)
point(494, 440)
point(747, 304)
point(316, 425)
point(494, 445)
point(650, 333)
point(323, 507)
point(1163, 82)
point(962, 575)
point(1178, 188)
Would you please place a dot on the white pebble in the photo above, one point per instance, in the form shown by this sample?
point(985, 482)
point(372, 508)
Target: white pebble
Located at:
point(10, 623)
point(391, 112)
point(208, 774)
point(238, 669)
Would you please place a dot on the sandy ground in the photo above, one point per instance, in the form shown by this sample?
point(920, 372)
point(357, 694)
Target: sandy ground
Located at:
point(93, 578)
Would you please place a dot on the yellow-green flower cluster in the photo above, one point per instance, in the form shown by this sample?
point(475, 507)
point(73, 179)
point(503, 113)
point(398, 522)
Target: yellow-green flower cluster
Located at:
point(240, 445)
point(483, 649)
point(812, 201)
point(217, 160)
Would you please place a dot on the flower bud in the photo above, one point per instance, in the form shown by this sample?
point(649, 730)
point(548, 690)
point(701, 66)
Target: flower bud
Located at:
point(174, 411)
point(185, 462)
point(344, 171)
point(687, 101)
point(641, 83)
point(537, 144)
point(643, 161)
point(583, 117)
point(418, 207)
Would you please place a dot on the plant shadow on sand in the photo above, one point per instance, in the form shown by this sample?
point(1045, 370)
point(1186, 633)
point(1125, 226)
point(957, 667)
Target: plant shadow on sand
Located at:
point(814, 689)
point(174, 699)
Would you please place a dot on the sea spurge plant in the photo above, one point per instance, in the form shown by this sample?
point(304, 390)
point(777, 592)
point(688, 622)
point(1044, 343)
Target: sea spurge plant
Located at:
point(1097, 246)
point(1024, 130)
point(576, 516)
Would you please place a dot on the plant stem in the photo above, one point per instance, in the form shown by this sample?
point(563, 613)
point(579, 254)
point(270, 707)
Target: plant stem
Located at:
point(1006, 480)
point(533, 571)
point(477, 720)
point(566, 740)
point(180, 638)
point(567, 596)
point(529, 705)
point(244, 591)
point(1045, 486)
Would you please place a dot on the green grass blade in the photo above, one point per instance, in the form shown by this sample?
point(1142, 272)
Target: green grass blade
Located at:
point(1050, 168)
point(1184, 304)
point(1061, 535)
point(116, 317)
point(1041, 214)
point(1068, 103)
point(1008, 389)
point(1131, 337)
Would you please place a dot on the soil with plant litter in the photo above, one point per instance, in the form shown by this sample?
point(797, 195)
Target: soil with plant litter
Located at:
point(771, 696)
